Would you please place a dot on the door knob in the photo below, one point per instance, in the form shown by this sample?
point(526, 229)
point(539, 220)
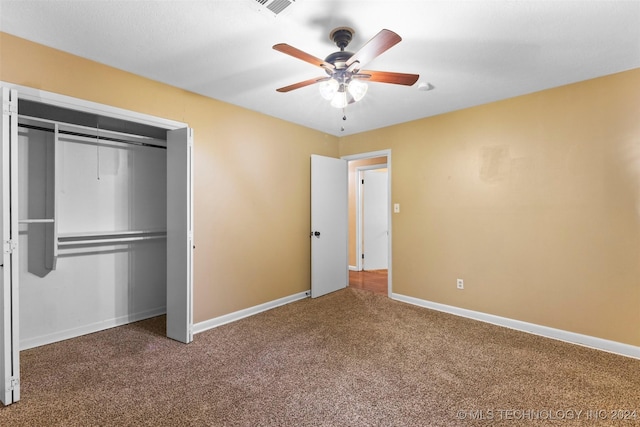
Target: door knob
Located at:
point(315, 233)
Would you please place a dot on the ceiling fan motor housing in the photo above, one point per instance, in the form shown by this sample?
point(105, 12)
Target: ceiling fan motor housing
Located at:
point(339, 58)
point(341, 36)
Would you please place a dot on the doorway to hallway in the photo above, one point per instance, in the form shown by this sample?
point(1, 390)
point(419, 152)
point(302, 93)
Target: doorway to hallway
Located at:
point(370, 223)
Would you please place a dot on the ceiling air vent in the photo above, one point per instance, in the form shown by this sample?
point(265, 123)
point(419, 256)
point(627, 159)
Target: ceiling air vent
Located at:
point(275, 6)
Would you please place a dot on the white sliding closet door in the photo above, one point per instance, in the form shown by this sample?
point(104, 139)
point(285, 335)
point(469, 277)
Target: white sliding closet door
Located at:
point(179, 235)
point(9, 347)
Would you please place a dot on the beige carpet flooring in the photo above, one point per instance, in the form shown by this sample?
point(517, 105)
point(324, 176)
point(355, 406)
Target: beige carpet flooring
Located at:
point(351, 358)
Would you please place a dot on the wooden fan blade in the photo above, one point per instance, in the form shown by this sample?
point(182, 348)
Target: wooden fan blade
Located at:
point(381, 42)
point(297, 53)
point(302, 84)
point(388, 77)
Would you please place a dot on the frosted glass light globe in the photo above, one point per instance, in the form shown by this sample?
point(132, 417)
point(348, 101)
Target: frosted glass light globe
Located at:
point(328, 89)
point(357, 89)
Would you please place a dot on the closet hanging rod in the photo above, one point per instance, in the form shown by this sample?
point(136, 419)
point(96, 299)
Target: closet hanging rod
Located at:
point(92, 235)
point(36, 221)
point(109, 241)
point(80, 134)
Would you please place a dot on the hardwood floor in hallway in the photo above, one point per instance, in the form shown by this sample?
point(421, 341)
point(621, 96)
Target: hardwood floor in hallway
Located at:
point(373, 280)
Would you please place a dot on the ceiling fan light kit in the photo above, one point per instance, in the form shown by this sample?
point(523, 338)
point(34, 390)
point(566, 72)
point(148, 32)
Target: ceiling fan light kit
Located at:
point(346, 82)
point(341, 94)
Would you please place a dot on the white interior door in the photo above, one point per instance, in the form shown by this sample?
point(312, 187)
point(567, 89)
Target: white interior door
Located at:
point(9, 344)
point(329, 225)
point(375, 219)
point(180, 234)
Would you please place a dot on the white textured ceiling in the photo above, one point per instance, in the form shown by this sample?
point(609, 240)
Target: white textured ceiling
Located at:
point(471, 52)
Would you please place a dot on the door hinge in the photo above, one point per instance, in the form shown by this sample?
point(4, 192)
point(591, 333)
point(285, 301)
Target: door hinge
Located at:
point(9, 108)
point(190, 137)
point(13, 383)
point(9, 246)
point(362, 256)
point(363, 181)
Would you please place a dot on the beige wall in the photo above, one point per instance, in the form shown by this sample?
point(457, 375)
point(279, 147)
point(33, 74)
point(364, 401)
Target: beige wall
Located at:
point(252, 216)
point(534, 201)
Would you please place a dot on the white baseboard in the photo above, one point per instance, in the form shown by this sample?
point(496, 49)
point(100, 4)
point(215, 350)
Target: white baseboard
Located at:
point(28, 343)
point(237, 315)
point(353, 268)
point(558, 334)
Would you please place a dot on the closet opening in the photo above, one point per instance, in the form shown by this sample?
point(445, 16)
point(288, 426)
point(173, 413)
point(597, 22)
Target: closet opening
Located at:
point(97, 222)
point(92, 226)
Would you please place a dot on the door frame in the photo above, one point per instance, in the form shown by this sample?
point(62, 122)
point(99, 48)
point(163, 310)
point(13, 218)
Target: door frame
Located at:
point(369, 155)
point(63, 101)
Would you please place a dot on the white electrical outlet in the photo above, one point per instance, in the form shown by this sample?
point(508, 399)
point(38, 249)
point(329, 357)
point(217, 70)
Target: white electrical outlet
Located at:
point(460, 283)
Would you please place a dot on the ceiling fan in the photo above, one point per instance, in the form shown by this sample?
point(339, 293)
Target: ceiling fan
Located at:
point(346, 79)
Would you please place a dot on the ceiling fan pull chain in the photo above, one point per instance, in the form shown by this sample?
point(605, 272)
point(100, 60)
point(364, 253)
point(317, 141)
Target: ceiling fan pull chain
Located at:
point(344, 118)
